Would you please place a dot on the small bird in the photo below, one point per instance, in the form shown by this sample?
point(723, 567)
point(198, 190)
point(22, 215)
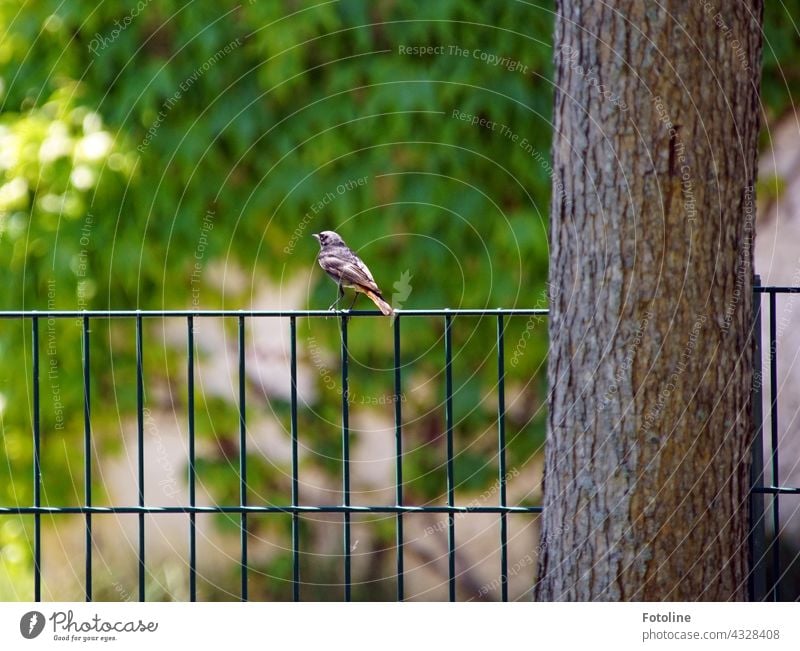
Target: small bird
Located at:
point(347, 270)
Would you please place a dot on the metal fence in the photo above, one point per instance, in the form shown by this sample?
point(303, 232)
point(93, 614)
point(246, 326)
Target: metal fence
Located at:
point(765, 576)
point(243, 509)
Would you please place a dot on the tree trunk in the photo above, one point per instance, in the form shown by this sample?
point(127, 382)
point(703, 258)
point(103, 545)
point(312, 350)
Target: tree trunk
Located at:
point(654, 158)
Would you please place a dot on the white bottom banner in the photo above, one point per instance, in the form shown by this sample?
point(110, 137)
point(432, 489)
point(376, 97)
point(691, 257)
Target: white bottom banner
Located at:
point(390, 626)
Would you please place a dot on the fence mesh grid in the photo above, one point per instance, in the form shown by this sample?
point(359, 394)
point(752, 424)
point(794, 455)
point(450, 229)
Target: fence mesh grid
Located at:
point(765, 561)
point(142, 508)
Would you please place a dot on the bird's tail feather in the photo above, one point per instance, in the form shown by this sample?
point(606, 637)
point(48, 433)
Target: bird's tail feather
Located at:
point(383, 306)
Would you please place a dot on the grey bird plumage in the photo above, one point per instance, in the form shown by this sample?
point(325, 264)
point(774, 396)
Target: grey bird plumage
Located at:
point(348, 270)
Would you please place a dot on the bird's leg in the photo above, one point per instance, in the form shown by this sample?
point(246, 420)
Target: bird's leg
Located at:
point(355, 298)
point(341, 296)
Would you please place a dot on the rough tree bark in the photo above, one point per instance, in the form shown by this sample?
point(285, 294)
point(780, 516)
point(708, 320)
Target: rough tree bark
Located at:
point(654, 157)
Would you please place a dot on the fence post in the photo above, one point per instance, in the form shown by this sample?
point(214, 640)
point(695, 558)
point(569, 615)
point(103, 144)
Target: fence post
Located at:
point(757, 579)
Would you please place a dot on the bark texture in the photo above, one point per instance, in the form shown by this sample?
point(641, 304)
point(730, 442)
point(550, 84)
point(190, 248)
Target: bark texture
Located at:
point(656, 123)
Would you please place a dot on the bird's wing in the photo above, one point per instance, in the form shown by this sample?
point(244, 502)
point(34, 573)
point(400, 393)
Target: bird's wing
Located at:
point(354, 272)
point(357, 272)
point(347, 268)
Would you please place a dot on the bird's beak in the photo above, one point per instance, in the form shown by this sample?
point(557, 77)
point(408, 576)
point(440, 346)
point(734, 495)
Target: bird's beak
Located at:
point(315, 236)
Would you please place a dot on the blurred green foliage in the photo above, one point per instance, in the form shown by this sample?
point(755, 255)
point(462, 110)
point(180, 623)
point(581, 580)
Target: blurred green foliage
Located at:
point(139, 137)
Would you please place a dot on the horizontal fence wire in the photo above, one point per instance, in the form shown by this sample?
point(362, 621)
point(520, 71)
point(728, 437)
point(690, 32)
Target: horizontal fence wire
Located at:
point(243, 509)
point(152, 510)
point(776, 289)
point(117, 314)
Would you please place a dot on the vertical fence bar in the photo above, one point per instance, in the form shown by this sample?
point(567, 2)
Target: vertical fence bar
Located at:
point(140, 440)
point(398, 437)
point(295, 486)
point(757, 581)
point(192, 475)
point(501, 452)
point(242, 457)
point(451, 523)
point(37, 468)
point(773, 410)
point(87, 454)
point(346, 460)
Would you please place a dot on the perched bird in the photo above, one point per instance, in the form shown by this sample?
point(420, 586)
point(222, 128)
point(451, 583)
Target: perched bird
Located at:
point(347, 270)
